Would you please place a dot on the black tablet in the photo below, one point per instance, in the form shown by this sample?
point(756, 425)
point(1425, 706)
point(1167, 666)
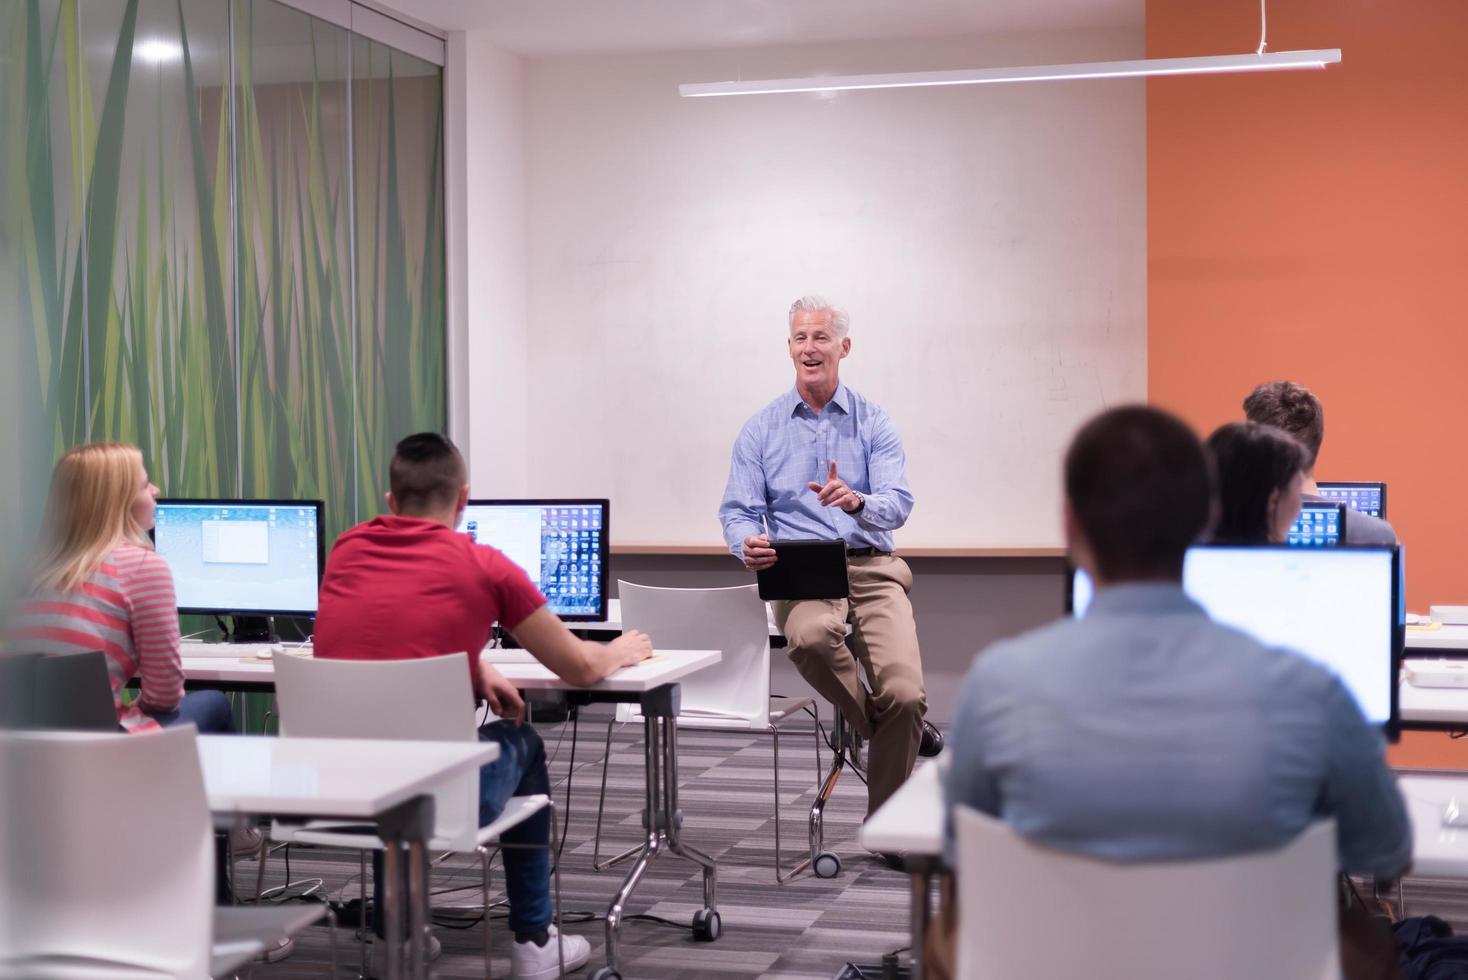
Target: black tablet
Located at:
point(807, 568)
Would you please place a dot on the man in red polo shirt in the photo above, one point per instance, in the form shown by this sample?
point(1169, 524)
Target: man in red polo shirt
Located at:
point(407, 585)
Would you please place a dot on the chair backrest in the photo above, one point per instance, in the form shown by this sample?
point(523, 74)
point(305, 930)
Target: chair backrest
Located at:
point(64, 692)
point(428, 699)
point(74, 693)
point(17, 689)
point(732, 621)
point(106, 856)
point(1266, 914)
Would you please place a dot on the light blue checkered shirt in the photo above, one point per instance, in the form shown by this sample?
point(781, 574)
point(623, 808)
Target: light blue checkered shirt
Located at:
point(1148, 732)
point(785, 446)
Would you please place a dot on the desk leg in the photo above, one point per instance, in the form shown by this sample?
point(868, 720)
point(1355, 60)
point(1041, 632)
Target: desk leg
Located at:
point(410, 824)
point(651, 842)
point(673, 817)
point(922, 913)
point(662, 824)
point(392, 867)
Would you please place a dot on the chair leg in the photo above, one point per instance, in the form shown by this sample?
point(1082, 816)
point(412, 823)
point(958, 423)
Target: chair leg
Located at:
point(556, 886)
point(331, 939)
point(367, 932)
point(782, 876)
point(484, 856)
point(260, 866)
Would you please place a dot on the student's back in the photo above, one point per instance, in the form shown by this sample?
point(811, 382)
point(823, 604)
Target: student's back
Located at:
point(1148, 732)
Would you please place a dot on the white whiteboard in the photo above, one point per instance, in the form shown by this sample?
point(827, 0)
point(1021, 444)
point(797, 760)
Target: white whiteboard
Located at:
point(988, 242)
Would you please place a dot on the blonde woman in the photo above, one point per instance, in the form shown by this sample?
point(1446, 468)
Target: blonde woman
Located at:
point(99, 585)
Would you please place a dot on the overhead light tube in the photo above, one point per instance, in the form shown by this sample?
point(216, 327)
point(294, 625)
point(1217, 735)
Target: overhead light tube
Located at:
point(1142, 68)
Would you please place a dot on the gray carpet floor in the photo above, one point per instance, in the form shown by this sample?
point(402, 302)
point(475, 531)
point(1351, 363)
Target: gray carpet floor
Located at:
point(807, 928)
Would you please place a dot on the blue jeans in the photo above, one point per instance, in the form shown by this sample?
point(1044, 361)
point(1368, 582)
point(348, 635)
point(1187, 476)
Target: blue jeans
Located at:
point(520, 770)
point(209, 712)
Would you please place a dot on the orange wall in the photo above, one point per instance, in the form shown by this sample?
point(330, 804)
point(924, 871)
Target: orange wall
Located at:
point(1314, 226)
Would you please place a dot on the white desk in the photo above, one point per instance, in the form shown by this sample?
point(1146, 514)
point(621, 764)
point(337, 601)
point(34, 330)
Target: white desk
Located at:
point(613, 622)
point(652, 685)
point(910, 823)
point(384, 781)
point(1444, 638)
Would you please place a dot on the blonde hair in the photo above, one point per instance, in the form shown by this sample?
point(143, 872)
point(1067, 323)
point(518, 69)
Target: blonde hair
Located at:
point(88, 513)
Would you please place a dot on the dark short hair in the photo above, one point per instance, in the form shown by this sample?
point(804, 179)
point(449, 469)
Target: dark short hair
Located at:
point(1141, 488)
point(1254, 460)
point(1292, 407)
point(426, 473)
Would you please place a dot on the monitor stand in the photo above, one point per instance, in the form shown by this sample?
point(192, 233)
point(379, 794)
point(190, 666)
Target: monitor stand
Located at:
point(252, 629)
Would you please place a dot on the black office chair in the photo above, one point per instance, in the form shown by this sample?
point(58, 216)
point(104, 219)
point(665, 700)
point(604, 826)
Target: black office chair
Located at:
point(66, 692)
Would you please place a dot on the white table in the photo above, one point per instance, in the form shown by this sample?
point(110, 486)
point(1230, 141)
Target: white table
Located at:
point(388, 782)
point(910, 823)
point(1444, 638)
point(652, 685)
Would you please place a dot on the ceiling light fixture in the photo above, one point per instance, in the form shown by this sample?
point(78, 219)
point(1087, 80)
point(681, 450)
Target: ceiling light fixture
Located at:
point(1143, 68)
point(157, 51)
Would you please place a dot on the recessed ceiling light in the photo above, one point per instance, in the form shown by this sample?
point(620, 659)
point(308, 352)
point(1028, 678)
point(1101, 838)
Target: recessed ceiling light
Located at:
point(157, 51)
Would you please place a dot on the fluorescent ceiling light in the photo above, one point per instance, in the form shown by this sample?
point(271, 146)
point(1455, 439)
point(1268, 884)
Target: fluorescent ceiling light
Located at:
point(158, 51)
point(1146, 67)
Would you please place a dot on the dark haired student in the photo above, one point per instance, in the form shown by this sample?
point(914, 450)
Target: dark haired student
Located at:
point(1295, 409)
point(1261, 479)
point(1150, 732)
point(406, 585)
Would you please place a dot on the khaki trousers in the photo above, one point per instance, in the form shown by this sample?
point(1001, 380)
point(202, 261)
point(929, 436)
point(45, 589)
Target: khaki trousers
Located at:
point(884, 642)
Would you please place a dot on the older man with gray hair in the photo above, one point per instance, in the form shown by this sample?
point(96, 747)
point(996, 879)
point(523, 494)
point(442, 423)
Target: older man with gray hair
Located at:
point(821, 461)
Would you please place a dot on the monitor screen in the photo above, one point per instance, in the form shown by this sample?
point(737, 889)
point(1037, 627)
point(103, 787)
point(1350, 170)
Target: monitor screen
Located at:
point(1337, 606)
point(561, 544)
point(245, 557)
point(1368, 498)
point(1318, 526)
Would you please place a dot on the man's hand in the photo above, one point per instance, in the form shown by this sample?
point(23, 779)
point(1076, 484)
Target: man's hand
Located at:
point(503, 697)
point(632, 647)
point(835, 492)
point(758, 554)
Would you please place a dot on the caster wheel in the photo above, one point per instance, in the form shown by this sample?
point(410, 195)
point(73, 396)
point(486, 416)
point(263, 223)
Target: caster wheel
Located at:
point(606, 973)
point(707, 925)
point(826, 865)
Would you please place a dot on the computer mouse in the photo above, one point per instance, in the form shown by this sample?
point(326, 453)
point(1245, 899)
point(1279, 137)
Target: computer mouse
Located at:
point(275, 648)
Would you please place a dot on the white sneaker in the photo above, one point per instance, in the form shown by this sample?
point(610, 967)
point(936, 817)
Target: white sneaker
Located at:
point(379, 954)
point(531, 962)
point(245, 842)
point(278, 951)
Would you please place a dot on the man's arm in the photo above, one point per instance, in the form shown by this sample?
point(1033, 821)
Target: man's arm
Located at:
point(1373, 832)
point(890, 502)
point(742, 512)
point(574, 660)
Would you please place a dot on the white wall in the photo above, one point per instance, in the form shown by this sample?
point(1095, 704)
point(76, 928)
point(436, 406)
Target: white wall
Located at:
point(989, 243)
point(490, 411)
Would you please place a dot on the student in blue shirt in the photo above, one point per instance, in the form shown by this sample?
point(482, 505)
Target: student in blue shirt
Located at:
point(1146, 731)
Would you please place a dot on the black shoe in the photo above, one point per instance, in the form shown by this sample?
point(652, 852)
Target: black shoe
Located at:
point(931, 743)
point(891, 859)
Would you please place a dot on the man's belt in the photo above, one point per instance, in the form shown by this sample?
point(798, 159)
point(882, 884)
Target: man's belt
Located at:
point(867, 553)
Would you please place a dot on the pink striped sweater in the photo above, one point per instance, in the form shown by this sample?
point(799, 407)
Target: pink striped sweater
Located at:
point(126, 609)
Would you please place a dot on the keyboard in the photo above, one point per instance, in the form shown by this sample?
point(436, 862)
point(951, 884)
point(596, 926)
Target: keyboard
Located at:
point(196, 648)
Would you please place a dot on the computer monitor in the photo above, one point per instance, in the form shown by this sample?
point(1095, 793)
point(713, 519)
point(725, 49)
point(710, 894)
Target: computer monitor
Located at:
point(242, 557)
point(561, 544)
point(1337, 606)
point(1368, 498)
point(1318, 526)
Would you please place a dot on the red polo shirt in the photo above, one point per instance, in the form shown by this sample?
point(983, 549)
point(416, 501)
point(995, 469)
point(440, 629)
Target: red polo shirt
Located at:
point(398, 588)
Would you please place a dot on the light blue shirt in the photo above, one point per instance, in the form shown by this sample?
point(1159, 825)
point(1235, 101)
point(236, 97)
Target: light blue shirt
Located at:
point(1146, 731)
point(785, 446)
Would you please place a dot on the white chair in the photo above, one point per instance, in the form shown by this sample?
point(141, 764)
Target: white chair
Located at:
point(107, 863)
point(733, 695)
point(424, 700)
point(1267, 914)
